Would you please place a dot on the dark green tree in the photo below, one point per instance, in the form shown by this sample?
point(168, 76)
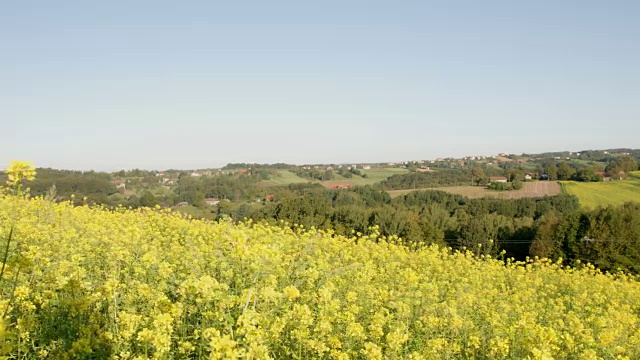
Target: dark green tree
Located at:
point(477, 176)
point(148, 199)
point(565, 172)
point(551, 171)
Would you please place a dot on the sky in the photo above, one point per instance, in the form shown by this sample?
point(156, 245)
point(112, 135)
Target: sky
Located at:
point(197, 84)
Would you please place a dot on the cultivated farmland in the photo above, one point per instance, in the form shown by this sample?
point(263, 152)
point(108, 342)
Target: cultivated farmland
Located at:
point(529, 190)
point(89, 283)
point(604, 193)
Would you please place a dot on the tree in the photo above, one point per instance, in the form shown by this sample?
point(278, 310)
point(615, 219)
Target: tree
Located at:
point(623, 165)
point(477, 175)
point(516, 174)
point(551, 170)
point(545, 244)
point(586, 174)
point(565, 172)
point(328, 175)
point(499, 186)
point(516, 184)
point(148, 199)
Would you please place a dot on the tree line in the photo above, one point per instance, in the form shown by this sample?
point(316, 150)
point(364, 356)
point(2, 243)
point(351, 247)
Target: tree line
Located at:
point(553, 227)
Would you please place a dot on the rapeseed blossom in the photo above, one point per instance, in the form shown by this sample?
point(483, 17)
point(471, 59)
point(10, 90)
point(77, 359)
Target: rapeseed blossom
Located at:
point(19, 171)
point(152, 284)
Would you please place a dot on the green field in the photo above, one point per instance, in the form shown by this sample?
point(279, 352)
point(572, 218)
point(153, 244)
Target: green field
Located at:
point(604, 193)
point(585, 163)
point(285, 177)
point(373, 176)
point(377, 175)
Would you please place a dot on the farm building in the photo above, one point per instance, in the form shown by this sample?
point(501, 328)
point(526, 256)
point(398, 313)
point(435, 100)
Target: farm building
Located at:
point(494, 179)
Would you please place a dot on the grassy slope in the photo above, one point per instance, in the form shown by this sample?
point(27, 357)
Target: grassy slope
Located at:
point(604, 193)
point(285, 178)
point(373, 176)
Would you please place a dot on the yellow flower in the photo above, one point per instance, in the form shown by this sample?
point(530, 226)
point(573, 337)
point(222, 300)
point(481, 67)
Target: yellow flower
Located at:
point(19, 171)
point(158, 285)
point(372, 351)
point(291, 292)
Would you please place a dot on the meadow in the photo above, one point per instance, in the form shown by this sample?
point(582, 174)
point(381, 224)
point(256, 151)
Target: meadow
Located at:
point(529, 190)
point(373, 176)
point(87, 282)
point(596, 194)
point(284, 177)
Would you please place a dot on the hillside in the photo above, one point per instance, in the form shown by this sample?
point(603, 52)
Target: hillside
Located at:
point(284, 177)
point(85, 282)
point(596, 194)
point(374, 176)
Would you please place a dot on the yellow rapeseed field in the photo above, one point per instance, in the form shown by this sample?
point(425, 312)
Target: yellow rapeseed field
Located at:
point(83, 282)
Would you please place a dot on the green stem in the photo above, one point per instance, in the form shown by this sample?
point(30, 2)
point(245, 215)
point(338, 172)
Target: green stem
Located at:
point(6, 253)
point(13, 290)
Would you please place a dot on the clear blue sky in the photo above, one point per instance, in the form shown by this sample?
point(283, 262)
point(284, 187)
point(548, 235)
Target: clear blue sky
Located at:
point(193, 84)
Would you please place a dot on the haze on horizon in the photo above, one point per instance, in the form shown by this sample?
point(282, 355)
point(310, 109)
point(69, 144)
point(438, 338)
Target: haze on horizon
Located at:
point(158, 85)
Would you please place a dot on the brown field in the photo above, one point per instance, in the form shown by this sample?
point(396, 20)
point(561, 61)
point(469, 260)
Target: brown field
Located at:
point(331, 183)
point(530, 189)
